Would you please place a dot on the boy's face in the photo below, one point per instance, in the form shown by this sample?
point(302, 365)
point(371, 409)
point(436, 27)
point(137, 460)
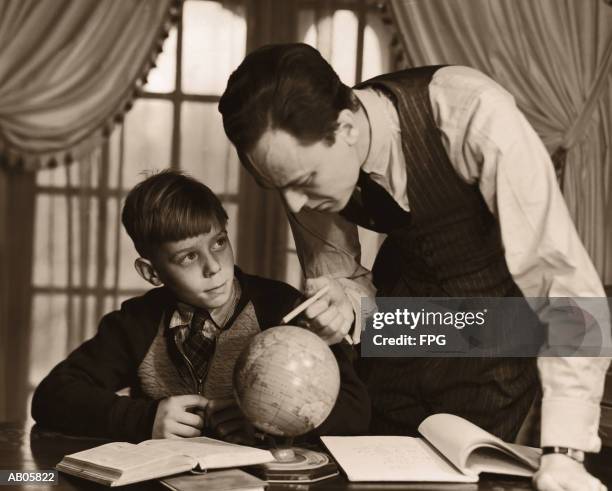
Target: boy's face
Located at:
point(199, 270)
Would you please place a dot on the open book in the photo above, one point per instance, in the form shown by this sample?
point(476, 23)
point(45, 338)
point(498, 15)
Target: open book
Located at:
point(452, 450)
point(119, 463)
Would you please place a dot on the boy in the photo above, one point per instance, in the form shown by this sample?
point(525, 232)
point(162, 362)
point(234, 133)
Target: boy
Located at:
point(175, 347)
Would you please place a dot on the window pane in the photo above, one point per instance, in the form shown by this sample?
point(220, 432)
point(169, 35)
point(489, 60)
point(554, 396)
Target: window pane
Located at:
point(162, 77)
point(128, 277)
point(335, 36)
point(148, 139)
point(232, 225)
point(55, 245)
point(214, 43)
point(51, 241)
point(307, 31)
point(344, 45)
point(206, 153)
point(49, 334)
point(112, 243)
point(376, 43)
point(55, 177)
point(114, 157)
point(84, 239)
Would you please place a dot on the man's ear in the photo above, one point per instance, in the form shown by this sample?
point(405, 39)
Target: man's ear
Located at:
point(147, 271)
point(347, 127)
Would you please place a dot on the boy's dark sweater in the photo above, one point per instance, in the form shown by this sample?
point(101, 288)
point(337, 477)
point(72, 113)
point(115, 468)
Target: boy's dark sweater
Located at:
point(78, 396)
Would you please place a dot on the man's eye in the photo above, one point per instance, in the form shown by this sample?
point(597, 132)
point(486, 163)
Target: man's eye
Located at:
point(220, 243)
point(307, 180)
point(188, 259)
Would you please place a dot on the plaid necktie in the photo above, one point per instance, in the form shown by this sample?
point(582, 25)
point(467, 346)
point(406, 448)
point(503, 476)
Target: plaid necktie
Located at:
point(199, 344)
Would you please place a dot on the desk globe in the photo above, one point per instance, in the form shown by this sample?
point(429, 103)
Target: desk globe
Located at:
point(286, 381)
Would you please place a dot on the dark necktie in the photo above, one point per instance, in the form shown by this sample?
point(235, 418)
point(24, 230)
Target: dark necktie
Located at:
point(372, 207)
point(199, 345)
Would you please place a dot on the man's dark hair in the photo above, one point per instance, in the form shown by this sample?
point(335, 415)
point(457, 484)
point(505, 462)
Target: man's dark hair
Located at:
point(283, 86)
point(169, 206)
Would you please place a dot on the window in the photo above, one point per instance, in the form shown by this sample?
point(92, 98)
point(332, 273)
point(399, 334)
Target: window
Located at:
point(83, 264)
point(354, 40)
point(83, 259)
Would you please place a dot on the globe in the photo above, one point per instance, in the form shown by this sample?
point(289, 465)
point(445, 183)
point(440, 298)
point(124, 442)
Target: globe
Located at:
point(286, 381)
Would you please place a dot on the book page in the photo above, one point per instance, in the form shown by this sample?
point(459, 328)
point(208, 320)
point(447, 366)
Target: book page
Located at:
point(117, 458)
point(210, 453)
point(474, 450)
point(490, 459)
point(391, 458)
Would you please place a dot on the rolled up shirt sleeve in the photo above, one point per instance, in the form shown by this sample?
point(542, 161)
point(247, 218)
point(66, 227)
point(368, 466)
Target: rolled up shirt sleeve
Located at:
point(496, 147)
point(328, 245)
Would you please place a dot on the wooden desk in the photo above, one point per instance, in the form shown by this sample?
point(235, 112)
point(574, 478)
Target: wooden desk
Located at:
point(22, 449)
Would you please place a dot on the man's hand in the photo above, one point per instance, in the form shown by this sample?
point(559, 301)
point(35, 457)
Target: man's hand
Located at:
point(177, 416)
point(226, 421)
point(332, 316)
point(561, 473)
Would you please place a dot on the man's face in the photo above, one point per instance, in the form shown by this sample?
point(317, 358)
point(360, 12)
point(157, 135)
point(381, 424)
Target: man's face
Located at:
point(318, 176)
point(199, 270)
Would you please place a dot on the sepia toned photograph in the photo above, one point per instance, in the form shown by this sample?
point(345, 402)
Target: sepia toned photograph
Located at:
point(306, 244)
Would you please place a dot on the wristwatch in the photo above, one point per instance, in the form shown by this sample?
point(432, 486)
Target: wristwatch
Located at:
point(572, 453)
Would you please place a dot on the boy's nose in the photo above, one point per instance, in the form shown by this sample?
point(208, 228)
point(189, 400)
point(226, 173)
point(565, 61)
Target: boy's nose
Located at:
point(211, 267)
point(295, 199)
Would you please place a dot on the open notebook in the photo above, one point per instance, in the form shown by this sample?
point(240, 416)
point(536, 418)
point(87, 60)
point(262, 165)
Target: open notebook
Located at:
point(119, 463)
point(452, 450)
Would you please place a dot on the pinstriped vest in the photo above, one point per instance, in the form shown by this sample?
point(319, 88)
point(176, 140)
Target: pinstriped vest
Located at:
point(450, 246)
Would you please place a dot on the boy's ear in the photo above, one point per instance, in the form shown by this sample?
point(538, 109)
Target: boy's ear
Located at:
point(347, 127)
point(147, 271)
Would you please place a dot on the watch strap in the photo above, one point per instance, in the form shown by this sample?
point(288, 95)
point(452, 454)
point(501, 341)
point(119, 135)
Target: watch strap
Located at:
point(572, 453)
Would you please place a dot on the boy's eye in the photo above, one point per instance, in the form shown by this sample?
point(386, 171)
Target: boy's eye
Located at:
point(188, 258)
point(220, 243)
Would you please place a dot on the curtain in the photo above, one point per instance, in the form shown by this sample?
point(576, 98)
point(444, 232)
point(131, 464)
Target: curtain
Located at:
point(68, 71)
point(260, 212)
point(16, 231)
point(555, 57)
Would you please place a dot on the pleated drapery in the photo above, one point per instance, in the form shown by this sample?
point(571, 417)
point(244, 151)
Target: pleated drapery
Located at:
point(69, 70)
point(555, 57)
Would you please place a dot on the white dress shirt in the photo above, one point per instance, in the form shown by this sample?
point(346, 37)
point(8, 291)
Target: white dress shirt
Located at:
point(489, 142)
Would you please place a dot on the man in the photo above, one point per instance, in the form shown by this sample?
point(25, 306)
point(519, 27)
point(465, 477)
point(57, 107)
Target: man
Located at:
point(441, 160)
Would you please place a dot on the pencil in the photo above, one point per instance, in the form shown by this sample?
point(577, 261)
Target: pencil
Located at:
point(305, 304)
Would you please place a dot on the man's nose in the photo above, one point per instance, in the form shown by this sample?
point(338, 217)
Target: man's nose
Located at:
point(211, 266)
point(295, 199)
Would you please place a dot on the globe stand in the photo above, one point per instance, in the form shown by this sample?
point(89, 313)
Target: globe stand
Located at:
point(284, 451)
point(295, 464)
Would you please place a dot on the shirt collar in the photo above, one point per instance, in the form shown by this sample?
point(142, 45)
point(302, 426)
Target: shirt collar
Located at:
point(384, 122)
point(183, 313)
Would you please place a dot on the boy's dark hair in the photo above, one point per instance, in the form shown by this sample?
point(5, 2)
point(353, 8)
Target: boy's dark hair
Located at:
point(283, 86)
point(169, 206)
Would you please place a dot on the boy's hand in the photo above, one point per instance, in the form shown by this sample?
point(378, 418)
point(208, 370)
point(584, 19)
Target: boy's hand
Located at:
point(226, 421)
point(561, 473)
point(332, 316)
point(175, 417)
